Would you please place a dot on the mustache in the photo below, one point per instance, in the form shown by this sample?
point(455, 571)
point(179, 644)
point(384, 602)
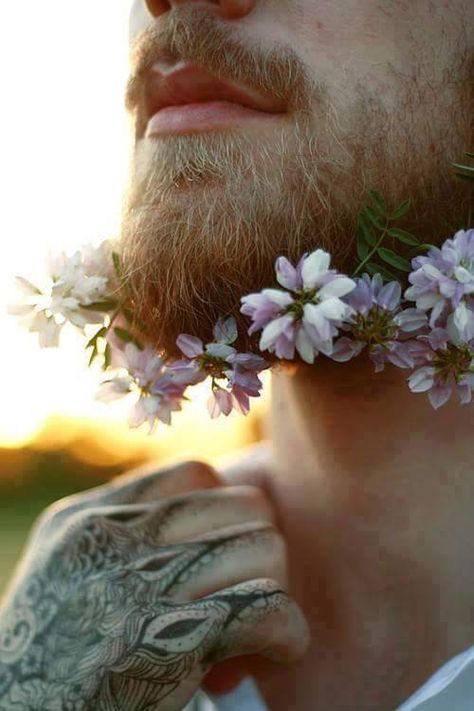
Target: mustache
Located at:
point(194, 35)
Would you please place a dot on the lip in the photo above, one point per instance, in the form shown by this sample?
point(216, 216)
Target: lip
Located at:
point(187, 99)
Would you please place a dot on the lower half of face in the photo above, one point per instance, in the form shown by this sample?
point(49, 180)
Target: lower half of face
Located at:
point(208, 212)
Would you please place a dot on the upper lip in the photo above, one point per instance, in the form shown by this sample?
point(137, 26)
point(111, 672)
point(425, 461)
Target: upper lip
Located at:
point(189, 84)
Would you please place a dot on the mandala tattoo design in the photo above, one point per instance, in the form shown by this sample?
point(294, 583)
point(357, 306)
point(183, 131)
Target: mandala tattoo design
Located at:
point(100, 616)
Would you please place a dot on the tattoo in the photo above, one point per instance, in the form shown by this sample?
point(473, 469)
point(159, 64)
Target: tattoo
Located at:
point(98, 620)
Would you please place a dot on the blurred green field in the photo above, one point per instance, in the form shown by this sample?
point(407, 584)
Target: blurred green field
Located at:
point(29, 481)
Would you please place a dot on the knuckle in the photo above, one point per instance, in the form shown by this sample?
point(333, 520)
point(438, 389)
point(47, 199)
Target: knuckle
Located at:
point(199, 469)
point(56, 513)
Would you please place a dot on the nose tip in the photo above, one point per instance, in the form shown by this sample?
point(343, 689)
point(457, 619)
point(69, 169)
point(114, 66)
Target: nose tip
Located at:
point(227, 9)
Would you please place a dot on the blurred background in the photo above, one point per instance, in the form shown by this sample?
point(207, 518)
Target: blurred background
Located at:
point(64, 149)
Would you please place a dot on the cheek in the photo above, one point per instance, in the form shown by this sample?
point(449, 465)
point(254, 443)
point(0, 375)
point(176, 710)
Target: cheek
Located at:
point(348, 44)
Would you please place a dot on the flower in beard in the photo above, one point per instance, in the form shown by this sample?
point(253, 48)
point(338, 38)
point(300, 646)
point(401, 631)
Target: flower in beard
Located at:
point(80, 289)
point(143, 372)
point(306, 317)
point(444, 368)
point(234, 376)
point(443, 284)
point(378, 323)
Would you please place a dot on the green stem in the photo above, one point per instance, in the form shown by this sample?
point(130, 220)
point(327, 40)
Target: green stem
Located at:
point(112, 318)
point(374, 250)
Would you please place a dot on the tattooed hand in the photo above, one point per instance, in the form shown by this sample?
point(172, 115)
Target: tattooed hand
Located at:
point(130, 593)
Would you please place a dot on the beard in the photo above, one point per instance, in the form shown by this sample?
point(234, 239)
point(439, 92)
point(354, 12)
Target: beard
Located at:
point(206, 215)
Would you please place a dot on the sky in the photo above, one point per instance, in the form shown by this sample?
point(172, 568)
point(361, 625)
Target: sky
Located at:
point(64, 141)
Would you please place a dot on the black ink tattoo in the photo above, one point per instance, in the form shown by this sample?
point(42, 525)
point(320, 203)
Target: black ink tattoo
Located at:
point(97, 620)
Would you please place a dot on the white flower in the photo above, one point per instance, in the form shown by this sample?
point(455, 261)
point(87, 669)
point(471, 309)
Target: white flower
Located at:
point(80, 290)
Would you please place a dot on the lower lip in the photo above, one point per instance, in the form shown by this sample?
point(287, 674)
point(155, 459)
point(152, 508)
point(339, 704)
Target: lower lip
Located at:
point(206, 116)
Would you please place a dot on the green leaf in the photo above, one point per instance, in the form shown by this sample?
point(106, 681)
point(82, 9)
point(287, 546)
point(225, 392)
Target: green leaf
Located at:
point(378, 202)
point(401, 210)
point(117, 264)
point(403, 236)
point(426, 247)
point(28, 286)
point(107, 356)
point(100, 334)
point(362, 247)
point(128, 315)
point(373, 218)
point(394, 259)
point(465, 168)
point(127, 337)
point(94, 355)
point(109, 305)
point(465, 176)
point(123, 334)
point(367, 230)
point(373, 269)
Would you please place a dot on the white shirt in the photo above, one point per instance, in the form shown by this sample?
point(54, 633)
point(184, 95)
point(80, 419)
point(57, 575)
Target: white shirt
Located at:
point(450, 689)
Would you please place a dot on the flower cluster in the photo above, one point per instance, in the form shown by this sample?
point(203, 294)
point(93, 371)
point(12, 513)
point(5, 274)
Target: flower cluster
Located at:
point(305, 316)
point(159, 383)
point(442, 285)
point(234, 376)
point(321, 311)
point(80, 289)
point(143, 372)
point(379, 323)
point(313, 309)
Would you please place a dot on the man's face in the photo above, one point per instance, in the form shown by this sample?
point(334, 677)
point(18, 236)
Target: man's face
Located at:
point(260, 127)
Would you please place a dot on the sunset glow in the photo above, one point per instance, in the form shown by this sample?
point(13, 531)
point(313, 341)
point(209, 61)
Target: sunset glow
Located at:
point(64, 147)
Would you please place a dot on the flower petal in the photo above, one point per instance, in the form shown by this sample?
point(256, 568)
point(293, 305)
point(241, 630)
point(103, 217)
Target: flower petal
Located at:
point(314, 266)
point(190, 345)
point(286, 274)
point(278, 297)
point(421, 380)
point(390, 295)
point(275, 328)
point(304, 346)
point(339, 286)
point(225, 330)
point(439, 395)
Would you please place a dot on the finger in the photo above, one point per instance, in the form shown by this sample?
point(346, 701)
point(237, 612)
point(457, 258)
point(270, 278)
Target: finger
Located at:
point(253, 618)
point(198, 568)
point(147, 484)
point(179, 518)
point(139, 486)
point(261, 619)
point(186, 517)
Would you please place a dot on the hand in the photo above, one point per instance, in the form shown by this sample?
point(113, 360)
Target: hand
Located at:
point(130, 593)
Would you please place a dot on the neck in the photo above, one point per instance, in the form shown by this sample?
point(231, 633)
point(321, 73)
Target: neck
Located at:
point(375, 492)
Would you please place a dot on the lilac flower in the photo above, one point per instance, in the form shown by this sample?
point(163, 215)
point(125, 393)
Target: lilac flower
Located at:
point(145, 373)
point(234, 376)
point(443, 283)
point(304, 318)
point(378, 323)
point(446, 367)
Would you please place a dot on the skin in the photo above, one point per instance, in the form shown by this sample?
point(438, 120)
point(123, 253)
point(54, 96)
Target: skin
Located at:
point(129, 594)
point(364, 494)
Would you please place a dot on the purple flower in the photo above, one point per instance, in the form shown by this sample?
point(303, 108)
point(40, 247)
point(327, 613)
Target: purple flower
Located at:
point(304, 318)
point(443, 284)
point(378, 322)
point(234, 376)
point(446, 367)
point(145, 373)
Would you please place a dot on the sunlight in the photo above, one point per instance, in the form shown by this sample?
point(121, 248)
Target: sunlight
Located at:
point(64, 144)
